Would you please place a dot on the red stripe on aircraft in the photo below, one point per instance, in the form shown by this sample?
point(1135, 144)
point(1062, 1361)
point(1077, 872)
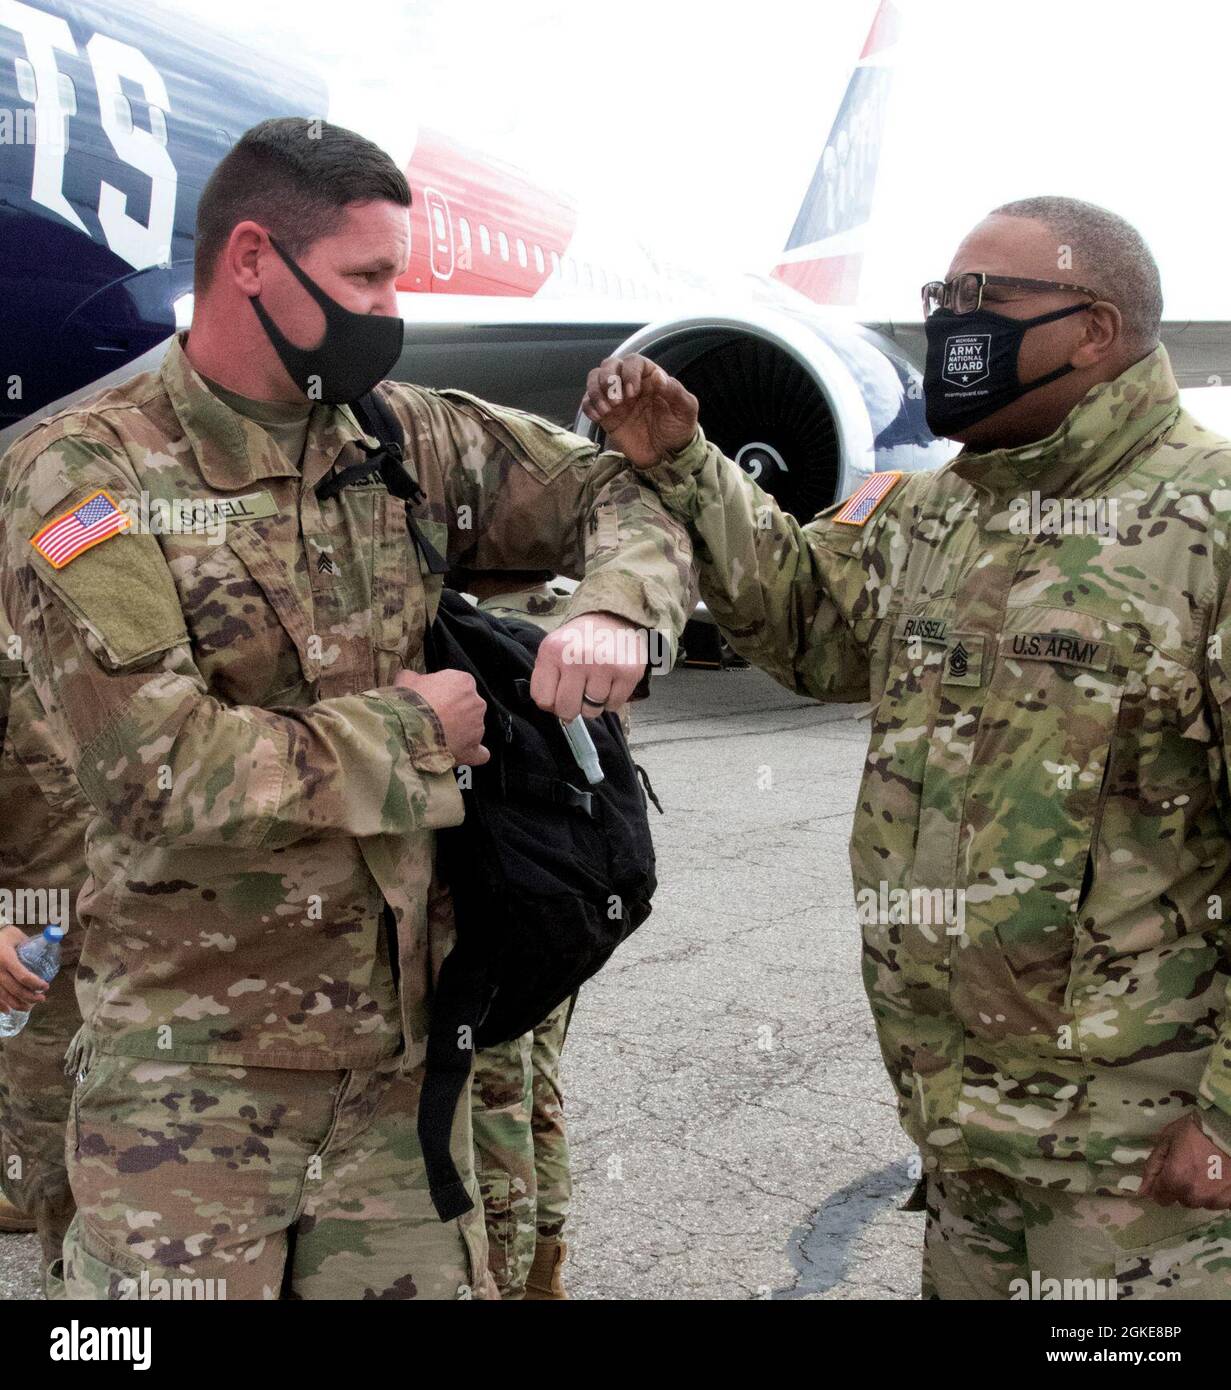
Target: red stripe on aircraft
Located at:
point(825, 280)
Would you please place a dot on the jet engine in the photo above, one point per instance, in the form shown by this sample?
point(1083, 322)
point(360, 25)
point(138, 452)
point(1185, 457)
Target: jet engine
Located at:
point(809, 407)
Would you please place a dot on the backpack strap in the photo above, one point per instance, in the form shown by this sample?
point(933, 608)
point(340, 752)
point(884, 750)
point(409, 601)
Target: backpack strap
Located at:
point(333, 483)
point(460, 1001)
point(377, 418)
point(460, 993)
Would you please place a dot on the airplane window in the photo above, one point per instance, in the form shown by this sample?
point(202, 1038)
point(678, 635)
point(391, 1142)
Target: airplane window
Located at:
point(485, 240)
point(521, 251)
point(464, 227)
point(602, 280)
point(158, 124)
point(589, 275)
point(27, 88)
point(438, 221)
point(555, 263)
point(123, 112)
point(504, 246)
point(538, 258)
point(68, 95)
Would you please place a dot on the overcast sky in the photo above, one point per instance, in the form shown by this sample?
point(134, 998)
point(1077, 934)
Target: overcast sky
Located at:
point(698, 124)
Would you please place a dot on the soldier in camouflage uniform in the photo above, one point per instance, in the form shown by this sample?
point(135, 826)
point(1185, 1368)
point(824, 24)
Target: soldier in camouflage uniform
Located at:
point(1049, 749)
point(42, 850)
point(522, 1158)
point(520, 1138)
point(242, 697)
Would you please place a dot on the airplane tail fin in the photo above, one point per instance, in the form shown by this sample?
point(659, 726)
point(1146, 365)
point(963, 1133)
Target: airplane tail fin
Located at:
point(823, 256)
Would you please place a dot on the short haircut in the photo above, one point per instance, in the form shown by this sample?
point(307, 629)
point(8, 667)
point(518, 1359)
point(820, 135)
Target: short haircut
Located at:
point(295, 177)
point(1111, 257)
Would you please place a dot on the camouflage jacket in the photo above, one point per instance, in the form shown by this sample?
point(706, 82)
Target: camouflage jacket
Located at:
point(545, 605)
point(43, 814)
point(228, 697)
point(1040, 845)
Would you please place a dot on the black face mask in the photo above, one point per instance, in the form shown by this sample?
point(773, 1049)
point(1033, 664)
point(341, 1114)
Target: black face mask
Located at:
point(971, 368)
point(357, 351)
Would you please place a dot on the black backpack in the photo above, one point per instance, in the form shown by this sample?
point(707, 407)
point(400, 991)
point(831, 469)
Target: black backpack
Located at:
point(548, 874)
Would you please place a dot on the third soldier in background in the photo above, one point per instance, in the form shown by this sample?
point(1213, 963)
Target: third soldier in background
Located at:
point(42, 867)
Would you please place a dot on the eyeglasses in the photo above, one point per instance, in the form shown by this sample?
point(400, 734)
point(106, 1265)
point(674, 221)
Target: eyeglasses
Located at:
point(964, 293)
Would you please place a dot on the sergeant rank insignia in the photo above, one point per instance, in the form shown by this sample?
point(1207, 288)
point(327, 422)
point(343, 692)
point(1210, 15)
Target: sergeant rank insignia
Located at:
point(860, 506)
point(95, 520)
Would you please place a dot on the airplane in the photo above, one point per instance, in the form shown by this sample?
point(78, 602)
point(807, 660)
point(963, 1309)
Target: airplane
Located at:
point(118, 117)
point(112, 118)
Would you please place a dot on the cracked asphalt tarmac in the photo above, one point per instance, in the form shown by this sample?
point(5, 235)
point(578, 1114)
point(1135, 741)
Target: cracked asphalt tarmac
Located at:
point(734, 1134)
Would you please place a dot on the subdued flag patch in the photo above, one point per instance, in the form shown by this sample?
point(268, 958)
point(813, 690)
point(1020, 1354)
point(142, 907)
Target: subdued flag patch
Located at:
point(94, 520)
point(860, 505)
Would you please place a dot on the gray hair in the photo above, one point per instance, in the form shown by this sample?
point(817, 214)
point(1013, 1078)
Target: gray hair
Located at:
point(1112, 258)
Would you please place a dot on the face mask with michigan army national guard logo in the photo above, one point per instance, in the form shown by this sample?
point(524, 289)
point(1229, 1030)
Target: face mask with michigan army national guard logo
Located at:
point(971, 368)
point(357, 351)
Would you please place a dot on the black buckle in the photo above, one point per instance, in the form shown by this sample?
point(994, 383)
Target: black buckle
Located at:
point(333, 483)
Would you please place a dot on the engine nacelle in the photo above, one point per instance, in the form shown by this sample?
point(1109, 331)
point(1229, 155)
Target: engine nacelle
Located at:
point(807, 405)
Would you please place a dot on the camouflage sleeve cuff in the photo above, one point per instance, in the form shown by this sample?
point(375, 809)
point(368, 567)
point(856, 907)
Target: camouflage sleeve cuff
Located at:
point(421, 726)
point(638, 601)
point(1215, 1123)
point(430, 755)
point(674, 476)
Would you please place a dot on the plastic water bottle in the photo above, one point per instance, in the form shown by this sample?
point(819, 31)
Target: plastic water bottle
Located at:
point(42, 955)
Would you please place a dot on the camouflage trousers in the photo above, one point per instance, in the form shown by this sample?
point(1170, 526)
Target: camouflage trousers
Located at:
point(988, 1237)
point(35, 1096)
point(197, 1181)
point(521, 1147)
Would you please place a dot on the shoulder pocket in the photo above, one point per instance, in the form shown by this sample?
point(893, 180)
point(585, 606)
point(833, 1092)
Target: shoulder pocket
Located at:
point(122, 593)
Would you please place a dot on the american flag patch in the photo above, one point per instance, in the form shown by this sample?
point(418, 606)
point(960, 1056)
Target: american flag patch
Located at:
point(63, 539)
point(860, 505)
